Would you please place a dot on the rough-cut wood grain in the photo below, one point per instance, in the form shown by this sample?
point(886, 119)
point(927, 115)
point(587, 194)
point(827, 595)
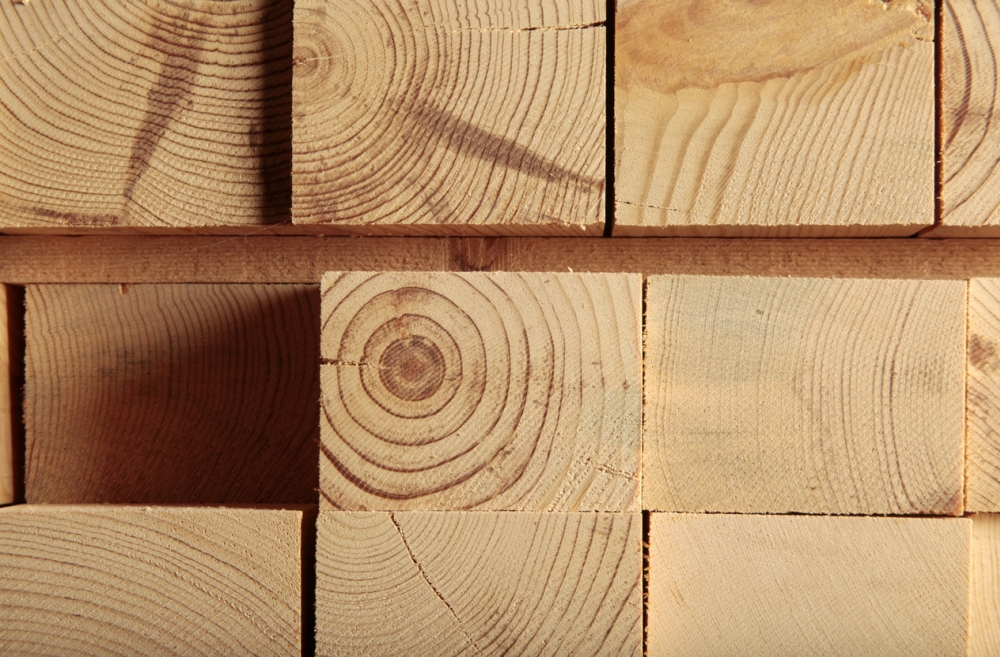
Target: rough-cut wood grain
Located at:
point(809, 395)
point(970, 134)
point(982, 492)
point(172, 394)
point(791, 118)
point(802, 585)
point(6, 408)
point(145, 114)
point(432, 117)
point(478, 583)
point(33, 259)
point(490, 391)
point(984, 623)
point(88, 580)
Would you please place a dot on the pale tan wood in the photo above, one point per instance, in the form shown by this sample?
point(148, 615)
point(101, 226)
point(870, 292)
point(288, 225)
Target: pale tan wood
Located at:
point(145, 114)
point(791, 118)
point(421, 117)
point(804, 395)
point(970, 137)
point(982, 491)
point(105, 580)
point(7, 493)
point(494, 391)
point(478, 583)
point(172, 394)
point(803, 585)
point(984, 621)
point(34, 259)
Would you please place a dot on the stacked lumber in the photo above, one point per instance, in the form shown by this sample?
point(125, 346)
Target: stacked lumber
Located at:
point(480, 464)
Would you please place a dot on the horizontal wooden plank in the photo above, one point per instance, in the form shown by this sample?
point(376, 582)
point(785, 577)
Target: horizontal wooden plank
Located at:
point(155, 115)
point(794, 585)
point(406, 121)
point(982, 491)
point(984, 622)
point(490, 391)
point(267, 259)
point(104, 580)
point(830, 396)
point(478, 583)
point(815, 119)
point(172, 394)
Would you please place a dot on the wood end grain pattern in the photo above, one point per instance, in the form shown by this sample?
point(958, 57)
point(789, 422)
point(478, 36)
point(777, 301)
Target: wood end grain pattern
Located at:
point(489, 391)
point(777, 395)
point(145, 115)
point(781, 119)
point(478, 583)
point(982, 491)
point(172, 394)
point(105, 580)
point(791, 585)
point(431, 117)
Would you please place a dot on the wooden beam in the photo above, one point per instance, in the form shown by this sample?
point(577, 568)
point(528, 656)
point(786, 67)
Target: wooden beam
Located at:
point(145, 115)
point(970, 138)
point(172, 394)
point(793, 585)
point(982, 491)
point(499, 391)
point(7, 405)
point(772, 395)
point(450, 119)
point(102, 580)
point(791, 118)
point(984, 627)
point(262, 259)
point(468, 583)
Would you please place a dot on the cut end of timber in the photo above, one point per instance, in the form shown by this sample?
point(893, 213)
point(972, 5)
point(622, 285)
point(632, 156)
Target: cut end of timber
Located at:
point(499, 391)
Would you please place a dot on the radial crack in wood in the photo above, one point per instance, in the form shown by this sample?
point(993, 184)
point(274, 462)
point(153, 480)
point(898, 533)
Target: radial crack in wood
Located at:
point(478, 583)
point(489, 391)
point(970, 131)
point(145, 114)
point(421, 117)
point(107, 580)
point(774, 395)
point(982, 492)
point(172, 393)
point(798, 585)
point(784, 118)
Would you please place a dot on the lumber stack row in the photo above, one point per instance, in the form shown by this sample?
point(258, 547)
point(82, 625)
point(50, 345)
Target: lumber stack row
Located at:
point(491, 459)
point(484, 118)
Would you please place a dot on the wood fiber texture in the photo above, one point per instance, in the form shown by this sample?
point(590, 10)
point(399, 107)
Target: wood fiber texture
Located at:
point(724, 585)
point(172, 394)
point(431, 117)
point(970, 135)
point(790, 118)
point(7, 493)
point(982, 491)
point(776, 395)
point(159, 114)
point(478, 583)
point(984, 627)
point(488, 391)
point(89, 580)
